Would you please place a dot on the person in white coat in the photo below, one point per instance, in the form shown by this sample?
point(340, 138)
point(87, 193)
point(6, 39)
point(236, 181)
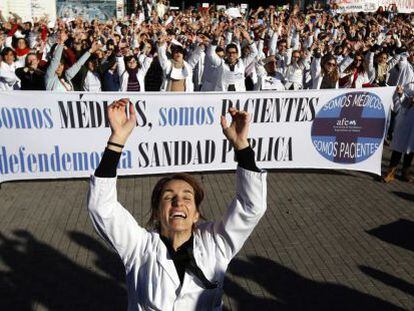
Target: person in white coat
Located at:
point(211, 71)
point(356, 74)
point(178, 73)
point(232, 69)
point(324, 72)
point(178, 263)
point(132, 70)
point(403, 137)
point(269, 77)
point(8, 79)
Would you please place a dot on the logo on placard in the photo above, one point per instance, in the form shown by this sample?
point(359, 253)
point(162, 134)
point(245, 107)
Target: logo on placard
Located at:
point(349, 128)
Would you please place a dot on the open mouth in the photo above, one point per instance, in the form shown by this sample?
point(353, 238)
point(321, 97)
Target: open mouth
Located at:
point(178, 215)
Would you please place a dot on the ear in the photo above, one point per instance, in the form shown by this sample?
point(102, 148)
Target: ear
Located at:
point(196, 216)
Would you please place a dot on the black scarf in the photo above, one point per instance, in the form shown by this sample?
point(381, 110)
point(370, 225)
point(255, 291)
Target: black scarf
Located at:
point(183, 259)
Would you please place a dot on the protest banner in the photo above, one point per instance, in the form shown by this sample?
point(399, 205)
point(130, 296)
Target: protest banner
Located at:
point(62, 135)
point(349, 6)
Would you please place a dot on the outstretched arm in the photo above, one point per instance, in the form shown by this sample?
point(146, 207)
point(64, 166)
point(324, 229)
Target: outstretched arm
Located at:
point(249, 205)
point(111, 221)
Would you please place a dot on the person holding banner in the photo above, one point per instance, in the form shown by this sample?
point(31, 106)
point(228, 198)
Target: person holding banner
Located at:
point(178, 263)
point(403, 136)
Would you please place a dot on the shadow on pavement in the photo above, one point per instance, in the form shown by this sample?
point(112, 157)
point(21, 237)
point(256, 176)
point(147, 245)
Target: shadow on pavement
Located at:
point(41, 275)
point(404, 195)
point(287, 290)
point(400, 233)
point(389, 279)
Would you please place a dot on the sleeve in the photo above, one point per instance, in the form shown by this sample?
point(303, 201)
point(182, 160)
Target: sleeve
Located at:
point(113, 222)
point(195, 57)
point(72, 71)
point(146, 62)
point(50, 72)
point(109, 162)
point(316, 68)
point(212, 55)
point(8, 77)
point(252, 56)
point(243, 214)
point(273, 43)
point(120, 65)
point(369, 59)
point(162, 56)
point(245, 159)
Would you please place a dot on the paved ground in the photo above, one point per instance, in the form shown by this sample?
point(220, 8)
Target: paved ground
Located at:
point(330, 241)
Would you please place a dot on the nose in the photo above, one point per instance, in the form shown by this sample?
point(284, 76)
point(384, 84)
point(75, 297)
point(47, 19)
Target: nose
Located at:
point(177, 201)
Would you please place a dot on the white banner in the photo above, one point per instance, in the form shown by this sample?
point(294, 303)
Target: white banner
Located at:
point(348, 6)
point(63, 135)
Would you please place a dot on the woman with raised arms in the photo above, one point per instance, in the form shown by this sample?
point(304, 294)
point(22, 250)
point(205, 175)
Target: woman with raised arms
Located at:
point(177, 262)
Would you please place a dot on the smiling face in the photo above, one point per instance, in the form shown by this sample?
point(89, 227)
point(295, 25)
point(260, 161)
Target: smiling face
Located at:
point(177, 212)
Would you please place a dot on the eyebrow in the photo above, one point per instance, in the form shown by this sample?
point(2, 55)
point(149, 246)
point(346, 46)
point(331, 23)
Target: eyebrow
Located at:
point(185, 191)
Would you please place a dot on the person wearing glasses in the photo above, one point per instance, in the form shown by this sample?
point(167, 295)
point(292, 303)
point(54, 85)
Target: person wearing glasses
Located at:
point(325, 72)
point(132, 70)
point(355, 75)
point(177, 262)
point(231, 69)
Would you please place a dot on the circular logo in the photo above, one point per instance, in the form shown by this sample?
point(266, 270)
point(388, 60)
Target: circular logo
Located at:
point(349, 128)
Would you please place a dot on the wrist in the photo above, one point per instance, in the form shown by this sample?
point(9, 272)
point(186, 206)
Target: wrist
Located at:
point(241, 145)
point(118, 139)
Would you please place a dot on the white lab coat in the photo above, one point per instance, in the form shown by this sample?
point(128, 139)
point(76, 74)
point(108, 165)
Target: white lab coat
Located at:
point(8, 79)
point(145, 62)
point(403, 137)
point(186, 72)
point(227, 77)
point(152, 279)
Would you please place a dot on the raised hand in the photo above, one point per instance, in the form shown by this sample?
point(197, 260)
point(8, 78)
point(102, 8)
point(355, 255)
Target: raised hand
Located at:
point(96, 45)
point(121, 125)
point(238, 130)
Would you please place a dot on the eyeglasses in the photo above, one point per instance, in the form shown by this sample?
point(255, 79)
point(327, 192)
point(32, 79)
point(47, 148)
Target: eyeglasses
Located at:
point(331, 64)
point(132, 61)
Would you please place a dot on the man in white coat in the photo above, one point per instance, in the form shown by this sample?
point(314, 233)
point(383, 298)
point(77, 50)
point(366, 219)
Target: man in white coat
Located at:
point(179, 264)
point(231, 69)
point(403, 137)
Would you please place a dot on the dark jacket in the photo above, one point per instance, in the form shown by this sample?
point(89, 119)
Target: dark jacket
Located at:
point(31, 80)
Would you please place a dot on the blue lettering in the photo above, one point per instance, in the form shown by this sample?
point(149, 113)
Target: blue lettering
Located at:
point(163, 120)
point(31, 163)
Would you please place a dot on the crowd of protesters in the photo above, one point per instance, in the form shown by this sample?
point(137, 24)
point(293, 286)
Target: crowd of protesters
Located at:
point(157, 49)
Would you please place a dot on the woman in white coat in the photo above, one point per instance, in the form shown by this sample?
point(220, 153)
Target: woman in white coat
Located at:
point(178, 73)
point(178, 263)
point(324, 72)
point(403, 136)
point(8, 79)
point(132, 70)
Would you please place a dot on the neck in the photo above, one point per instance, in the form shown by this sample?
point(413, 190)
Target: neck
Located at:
point(177, 238)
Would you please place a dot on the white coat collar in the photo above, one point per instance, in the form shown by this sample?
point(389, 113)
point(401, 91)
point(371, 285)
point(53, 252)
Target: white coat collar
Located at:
point(164, 259)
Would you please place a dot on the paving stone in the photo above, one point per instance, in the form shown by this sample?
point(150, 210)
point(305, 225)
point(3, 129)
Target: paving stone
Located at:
point(330, 240)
